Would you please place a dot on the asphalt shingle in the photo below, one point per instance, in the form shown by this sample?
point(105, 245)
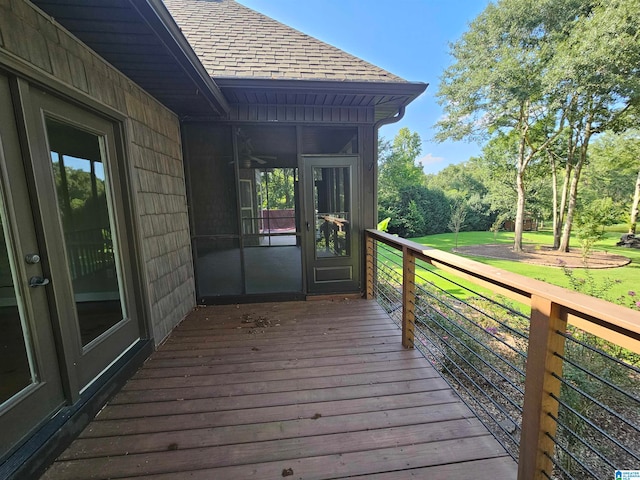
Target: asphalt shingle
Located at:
point(232, 40)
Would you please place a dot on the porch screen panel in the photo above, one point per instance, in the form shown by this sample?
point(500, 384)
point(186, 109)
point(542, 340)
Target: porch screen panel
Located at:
point(329, 140)
point(213, 208)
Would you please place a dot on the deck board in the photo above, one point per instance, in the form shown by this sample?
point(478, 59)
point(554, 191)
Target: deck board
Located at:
point(321, 389)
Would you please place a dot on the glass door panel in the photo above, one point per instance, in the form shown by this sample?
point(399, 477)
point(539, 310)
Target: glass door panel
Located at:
point(30, 382)
point(81, 188)
point(332, 237)
point(16, 364)
point(78, 171)
point(332, 204)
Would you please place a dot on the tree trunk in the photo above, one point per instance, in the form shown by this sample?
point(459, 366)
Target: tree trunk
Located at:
point(571, 209)
point(519, 221)
point(573, 192)
point(634, 206)
point(554, 188)
point(557, 231)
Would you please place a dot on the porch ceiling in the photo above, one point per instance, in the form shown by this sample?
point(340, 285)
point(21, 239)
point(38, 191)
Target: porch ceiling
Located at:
point(385, 97)
point(141, 39)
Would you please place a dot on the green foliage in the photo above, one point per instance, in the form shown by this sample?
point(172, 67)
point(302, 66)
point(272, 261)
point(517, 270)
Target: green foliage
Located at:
point(457, 219)
point(383, 225)
point(523, 72)
point(277, 188)
point(398, 168)
point(417, 211)
point(591, 222)
point(402, 195)
point(465, 183)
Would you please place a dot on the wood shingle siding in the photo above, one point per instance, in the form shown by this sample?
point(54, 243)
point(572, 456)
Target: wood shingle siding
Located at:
point(37, 45)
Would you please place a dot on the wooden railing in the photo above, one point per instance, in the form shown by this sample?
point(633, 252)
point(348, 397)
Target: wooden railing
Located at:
point(552, 310)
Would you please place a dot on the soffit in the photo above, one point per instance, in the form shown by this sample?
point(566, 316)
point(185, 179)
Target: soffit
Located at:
point(140, 39)
point(384, 97)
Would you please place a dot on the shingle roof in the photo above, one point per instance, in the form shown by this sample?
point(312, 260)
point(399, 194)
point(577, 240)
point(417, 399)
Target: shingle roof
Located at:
point(232, 40)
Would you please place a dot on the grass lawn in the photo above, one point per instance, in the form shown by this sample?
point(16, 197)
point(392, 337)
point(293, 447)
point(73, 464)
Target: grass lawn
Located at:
point(628, 276)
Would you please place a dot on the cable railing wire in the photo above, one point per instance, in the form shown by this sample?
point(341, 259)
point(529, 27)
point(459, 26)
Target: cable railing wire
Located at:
point(573, 457)
point(567, 475)
point(472, 396)
point(479, 357)
point(599, 352)
point(594, 426)
point(464, 287)
point(474, 307)
point(478, 326)
point(599, 403)
point(577, 436)
point(480, 374)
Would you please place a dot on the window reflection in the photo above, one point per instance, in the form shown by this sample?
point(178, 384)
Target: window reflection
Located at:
point(81, 186)
point(15, 368)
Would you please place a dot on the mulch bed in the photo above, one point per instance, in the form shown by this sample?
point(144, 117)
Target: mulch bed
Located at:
point(547, 256)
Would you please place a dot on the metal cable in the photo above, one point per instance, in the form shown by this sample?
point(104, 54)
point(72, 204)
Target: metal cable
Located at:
point(595, 427)
point(573, 457)
point(480, 374)
point(496, 371)
point(514, 367)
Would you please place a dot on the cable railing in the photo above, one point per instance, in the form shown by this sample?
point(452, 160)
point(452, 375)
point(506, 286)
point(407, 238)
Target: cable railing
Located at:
point(552, 373)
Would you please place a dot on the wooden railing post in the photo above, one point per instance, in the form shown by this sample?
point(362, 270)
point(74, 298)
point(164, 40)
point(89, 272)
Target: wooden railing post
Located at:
point(408, 296)
point(371, 258)
point(540, 384)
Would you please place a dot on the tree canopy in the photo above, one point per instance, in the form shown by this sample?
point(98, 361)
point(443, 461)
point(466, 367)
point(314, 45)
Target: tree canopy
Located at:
point(526, 71)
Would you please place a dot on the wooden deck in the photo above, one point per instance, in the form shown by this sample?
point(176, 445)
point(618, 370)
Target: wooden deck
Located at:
point(307, 390)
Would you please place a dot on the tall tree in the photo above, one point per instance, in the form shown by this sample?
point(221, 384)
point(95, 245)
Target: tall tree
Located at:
point(614, 171)
point(496, 83)
point(397, 163)
point(596, 65)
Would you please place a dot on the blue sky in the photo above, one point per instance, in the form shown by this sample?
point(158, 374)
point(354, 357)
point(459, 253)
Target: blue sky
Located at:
point(407, 37)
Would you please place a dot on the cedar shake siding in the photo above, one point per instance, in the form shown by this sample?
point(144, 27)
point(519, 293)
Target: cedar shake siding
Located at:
point(44, 50)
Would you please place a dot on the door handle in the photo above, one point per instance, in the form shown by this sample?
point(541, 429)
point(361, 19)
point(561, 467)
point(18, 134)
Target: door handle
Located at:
point(38, 281)
point(307, 226)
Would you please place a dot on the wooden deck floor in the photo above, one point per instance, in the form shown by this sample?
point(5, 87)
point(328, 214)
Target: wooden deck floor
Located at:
point(306, 390)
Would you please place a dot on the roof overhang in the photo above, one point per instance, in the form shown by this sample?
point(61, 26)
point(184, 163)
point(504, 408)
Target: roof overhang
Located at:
point(385, 97)
point(141, 39)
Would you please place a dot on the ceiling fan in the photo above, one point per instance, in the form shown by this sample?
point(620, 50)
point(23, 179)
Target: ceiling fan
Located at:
point(246, 156)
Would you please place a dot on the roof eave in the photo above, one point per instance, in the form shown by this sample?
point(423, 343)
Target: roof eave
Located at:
point(347, 86)
point(401, 93)
point(162, 23)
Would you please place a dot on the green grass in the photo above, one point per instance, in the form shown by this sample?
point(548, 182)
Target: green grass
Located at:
point(628, 276)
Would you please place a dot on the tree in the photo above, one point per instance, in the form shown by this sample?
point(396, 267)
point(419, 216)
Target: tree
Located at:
point(397, 164)
point(456, 221)
point(596, 66)
point(591, 222)
point(614, 171)
point(463, 183)
point(418, 211)
point(496, 84)
point(401, 184)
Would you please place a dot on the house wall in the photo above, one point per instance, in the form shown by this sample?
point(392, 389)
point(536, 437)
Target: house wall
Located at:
point(36, 47)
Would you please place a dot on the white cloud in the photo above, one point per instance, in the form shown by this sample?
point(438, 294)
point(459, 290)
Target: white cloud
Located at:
point(430, 159)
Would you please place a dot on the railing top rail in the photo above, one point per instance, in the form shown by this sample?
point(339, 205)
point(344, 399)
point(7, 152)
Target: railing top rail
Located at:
point(590, 313)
